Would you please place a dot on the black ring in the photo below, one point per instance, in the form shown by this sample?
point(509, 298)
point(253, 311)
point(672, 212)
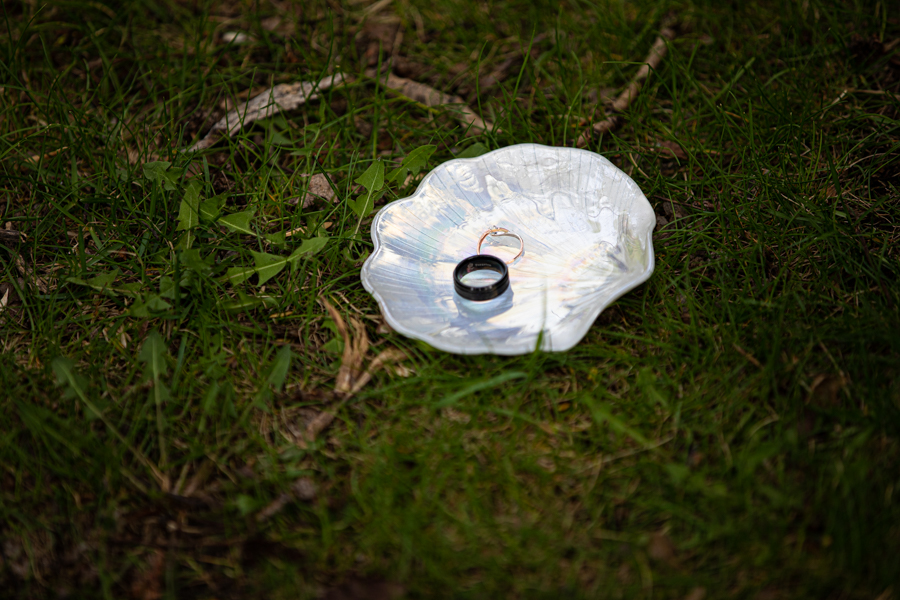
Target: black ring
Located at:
point(481, 262)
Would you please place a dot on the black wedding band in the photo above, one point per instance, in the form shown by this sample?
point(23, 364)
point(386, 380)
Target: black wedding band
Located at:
point(480, 262)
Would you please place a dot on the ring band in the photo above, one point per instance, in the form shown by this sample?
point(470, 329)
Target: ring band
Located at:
point(480, 262)
point(502, 232)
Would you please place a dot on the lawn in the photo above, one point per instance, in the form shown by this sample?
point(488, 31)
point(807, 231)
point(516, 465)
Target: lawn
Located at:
point(200, 399)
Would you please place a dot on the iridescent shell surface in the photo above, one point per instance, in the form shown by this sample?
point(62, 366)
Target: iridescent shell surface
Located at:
point(587, 230)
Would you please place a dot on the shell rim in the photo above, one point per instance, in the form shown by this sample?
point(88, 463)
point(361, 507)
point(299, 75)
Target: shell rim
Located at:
point(581, 331)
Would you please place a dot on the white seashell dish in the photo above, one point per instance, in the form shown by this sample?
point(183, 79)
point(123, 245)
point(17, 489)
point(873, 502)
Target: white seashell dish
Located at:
point(587, 230)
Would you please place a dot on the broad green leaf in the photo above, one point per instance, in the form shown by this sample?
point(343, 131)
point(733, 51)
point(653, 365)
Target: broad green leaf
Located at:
point(160, 394)
point(212, 207)
point(189, 209)
point(268, 265)
point(151, 305)
point(192, 260)
point(276, 239)
point(130, 288)
point(330, 325)
point(309, 247)
point(398, 174)
point(236, 275)
point(277, 127)
point(167, 285)
point(356, 255)
point(280, 367)
point(78, 281)
point(170, 178)
point(153, 354)
point(334, 346)
point(418, 158)
point(185, 241)
point(104, 280)
point(279, 139)
point(159, 172)
point(373, 178)
point(239, 222)
point(245, 302)
point(156, 171)
point(476, 149)
point(412, 164)
point(363, 205)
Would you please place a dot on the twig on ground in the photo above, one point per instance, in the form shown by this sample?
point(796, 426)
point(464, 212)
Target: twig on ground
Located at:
point(431, 97)
point(353, 355)
point(288, 96)
point(34, 159)
point(325, 418)
point(9, 236)
point(285, 96)
point(748, 356)
point(350, 379)
point(624, 100)
point(303, 489)
point(500, 73)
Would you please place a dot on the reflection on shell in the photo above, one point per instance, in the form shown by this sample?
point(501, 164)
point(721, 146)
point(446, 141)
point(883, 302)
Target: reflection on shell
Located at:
point(587, 230)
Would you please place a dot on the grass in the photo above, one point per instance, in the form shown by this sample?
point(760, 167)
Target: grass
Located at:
point(728, 429)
